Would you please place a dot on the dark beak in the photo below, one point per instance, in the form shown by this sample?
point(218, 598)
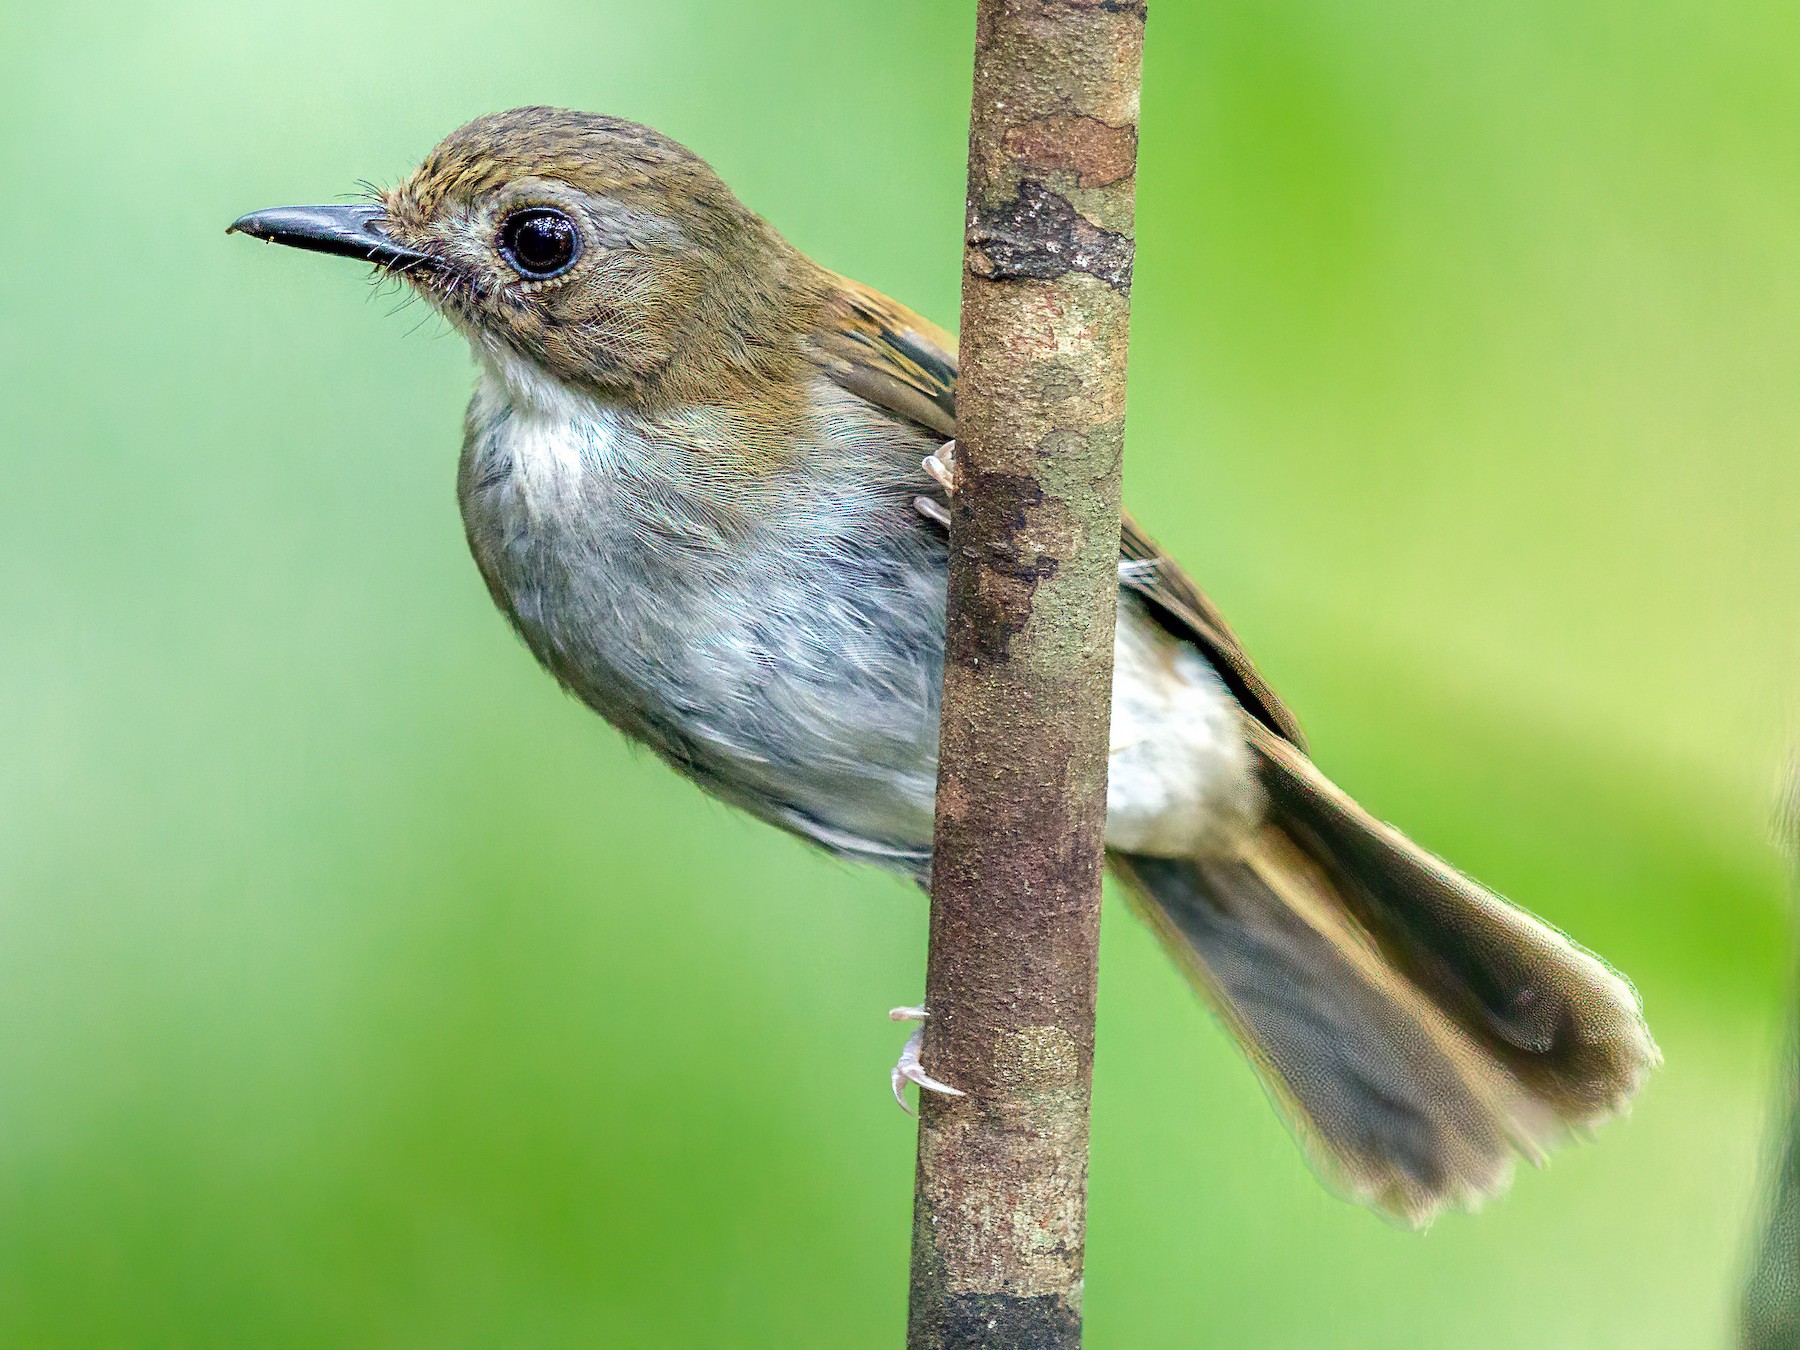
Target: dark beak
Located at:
point(348, 231)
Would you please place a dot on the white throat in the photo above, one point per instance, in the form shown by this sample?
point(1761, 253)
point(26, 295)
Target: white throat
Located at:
point(560, 440)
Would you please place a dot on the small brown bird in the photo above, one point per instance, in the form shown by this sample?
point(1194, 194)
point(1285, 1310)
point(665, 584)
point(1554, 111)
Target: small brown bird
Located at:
point(703, 478)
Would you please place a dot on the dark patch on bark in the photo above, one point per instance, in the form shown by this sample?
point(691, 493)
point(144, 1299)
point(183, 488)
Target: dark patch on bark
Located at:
point(996, 604)
point(1001, 1322)
point(1139, 9)
point(1039, 235)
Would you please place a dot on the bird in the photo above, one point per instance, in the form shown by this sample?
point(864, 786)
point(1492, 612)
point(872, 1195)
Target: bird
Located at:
point(704, 478)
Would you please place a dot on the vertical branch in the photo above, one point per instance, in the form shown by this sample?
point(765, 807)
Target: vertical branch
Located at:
point(1001, 1192)
point(1769, 1309)
point(1769, 1317)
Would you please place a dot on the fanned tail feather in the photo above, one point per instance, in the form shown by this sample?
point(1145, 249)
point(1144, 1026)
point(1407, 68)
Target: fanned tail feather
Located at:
point(1422, 1032)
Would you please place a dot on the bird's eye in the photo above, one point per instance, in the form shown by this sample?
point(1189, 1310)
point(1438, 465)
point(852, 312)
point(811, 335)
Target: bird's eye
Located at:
point(540, 242)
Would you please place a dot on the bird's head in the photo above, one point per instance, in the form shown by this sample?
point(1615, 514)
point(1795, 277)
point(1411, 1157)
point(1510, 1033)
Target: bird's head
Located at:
point(595, 250)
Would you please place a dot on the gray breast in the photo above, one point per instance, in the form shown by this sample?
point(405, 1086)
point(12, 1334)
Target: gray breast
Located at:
point(779, 642)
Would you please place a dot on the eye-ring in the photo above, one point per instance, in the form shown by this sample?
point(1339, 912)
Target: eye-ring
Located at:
point(540, 242)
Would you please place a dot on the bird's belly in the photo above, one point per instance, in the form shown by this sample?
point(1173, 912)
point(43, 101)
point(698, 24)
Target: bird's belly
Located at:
point(801, 681)
point(792, 677)
point(817, 709)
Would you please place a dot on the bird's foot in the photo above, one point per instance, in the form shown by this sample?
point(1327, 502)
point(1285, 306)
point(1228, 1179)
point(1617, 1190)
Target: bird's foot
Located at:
point(942, 469)
point(909, 1070)
point(933, 510)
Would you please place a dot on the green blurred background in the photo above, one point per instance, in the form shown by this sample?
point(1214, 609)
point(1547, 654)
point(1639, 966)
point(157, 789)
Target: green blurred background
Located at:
point(359, 989)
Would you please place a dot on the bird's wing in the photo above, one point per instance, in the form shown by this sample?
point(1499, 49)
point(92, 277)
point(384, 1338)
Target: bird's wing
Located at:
point(888, 356)
point(885, 354)
point(1184, 609)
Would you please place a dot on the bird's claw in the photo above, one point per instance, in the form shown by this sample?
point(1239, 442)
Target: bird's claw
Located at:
point(942, 466)
point(942, 469)
point(909, 1070)
point(933, 510)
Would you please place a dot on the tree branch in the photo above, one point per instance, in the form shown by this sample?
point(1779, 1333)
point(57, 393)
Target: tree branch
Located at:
point(1000, 1198)
point(1769, 1305)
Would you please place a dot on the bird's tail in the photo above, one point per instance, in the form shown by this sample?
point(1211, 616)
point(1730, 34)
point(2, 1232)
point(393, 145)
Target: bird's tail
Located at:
point(1421, 1031)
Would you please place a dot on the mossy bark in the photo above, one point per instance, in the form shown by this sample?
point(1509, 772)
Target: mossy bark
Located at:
point(1000, 1200)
